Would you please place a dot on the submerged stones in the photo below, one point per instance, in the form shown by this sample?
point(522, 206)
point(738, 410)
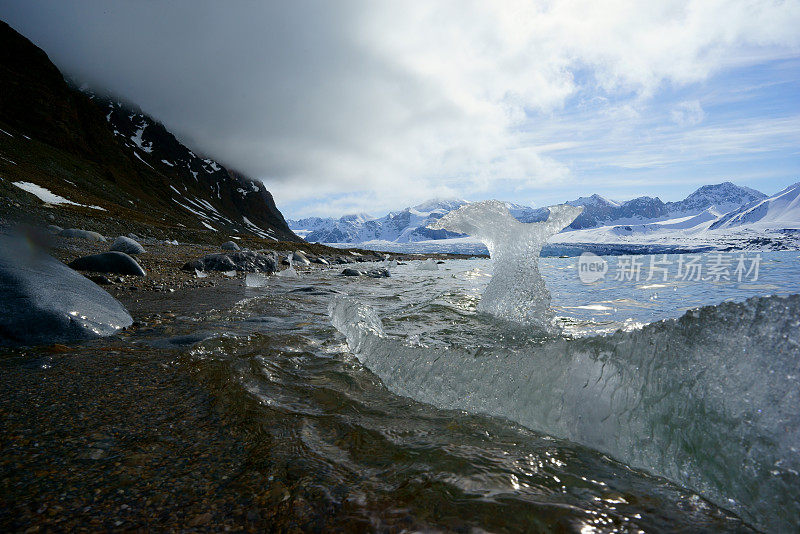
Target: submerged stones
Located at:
point(82, 234)
point(243, 260)
point(127, 245)
point(108, 262)
point(382, 272)
point(44, 301)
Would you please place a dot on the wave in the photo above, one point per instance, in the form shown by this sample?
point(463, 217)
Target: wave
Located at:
point(709, 400)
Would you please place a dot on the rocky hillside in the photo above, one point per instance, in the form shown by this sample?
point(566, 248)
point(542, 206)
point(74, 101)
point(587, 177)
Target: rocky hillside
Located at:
point(114, 168)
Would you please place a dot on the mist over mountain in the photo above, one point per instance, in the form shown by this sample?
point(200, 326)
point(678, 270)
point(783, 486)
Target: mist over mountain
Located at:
point(105, 154)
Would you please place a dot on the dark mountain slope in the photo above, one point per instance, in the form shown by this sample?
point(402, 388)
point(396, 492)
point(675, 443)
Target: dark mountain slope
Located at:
point(101, 153)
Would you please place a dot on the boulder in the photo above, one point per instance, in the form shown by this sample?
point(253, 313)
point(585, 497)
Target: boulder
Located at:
point(243, 260)
point(230, 245)
point(127, 245)
point(212, 262)
point(43, 301)
point(81, 234)
point(54, 228)
point(378, 273)
point(108, 262)
point(301, 258)
point(372, 273)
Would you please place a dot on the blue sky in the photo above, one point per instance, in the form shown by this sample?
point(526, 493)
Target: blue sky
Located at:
point(742, 125)
point(364, 106)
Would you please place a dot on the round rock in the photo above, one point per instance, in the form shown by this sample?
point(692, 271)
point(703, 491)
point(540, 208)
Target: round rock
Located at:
point(127, 245)
point(108, 262)
point(44, 301)
point(82, 234)
point(230, 245)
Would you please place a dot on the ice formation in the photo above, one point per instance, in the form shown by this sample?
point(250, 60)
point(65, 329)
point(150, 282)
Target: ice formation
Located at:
point(427, 265)
point(708, 400)
point(256, 280)
point(291, 272)
point(517, 291)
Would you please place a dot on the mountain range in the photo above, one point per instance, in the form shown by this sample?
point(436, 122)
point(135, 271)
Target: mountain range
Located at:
point(410, 225)
point(115, 169)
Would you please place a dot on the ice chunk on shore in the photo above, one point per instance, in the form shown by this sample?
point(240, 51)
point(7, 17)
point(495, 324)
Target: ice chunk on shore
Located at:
point(288, 273)
point(256, 280)
point(427, 265)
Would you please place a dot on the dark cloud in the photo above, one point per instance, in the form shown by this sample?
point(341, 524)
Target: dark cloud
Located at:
point(363, 105)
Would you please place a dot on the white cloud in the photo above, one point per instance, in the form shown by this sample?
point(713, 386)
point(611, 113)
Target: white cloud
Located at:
point(688, 113)
point(377, 105)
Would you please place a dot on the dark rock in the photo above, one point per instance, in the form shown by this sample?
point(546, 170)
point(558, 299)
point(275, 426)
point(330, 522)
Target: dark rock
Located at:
point(54, 228)
point(351, 272)
point(440, 262)
point(212, 262)
point(383, 272)
point(243, 260)
point(108, 262)
point(127, 245)
point(81, 234)
point(100, 279)
point(44, 301)
point(230, 245)
point(320, 260)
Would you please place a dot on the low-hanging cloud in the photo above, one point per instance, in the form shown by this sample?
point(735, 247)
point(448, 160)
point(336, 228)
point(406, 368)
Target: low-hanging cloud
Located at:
point(379, 104)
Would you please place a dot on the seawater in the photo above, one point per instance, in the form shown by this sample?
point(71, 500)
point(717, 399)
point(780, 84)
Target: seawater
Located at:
point(398, 402)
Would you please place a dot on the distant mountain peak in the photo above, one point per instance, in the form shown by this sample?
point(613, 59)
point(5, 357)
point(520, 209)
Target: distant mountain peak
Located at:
point(781, 209)
point(725, 196)
point(434, 204)
point(593, 200)
point(356, 217)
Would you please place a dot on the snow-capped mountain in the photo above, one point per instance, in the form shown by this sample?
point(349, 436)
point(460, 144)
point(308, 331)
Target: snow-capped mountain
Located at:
point(722, 197)
point(780, 210)
point(408, 225)
point(769, 224)
point(599, 211)
point(697, 222)
point(645, 214)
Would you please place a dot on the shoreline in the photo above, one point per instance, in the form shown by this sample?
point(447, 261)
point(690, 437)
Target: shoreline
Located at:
point(105, 435)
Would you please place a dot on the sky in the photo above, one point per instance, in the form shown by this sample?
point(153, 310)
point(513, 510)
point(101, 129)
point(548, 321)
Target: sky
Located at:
point(371, 106)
